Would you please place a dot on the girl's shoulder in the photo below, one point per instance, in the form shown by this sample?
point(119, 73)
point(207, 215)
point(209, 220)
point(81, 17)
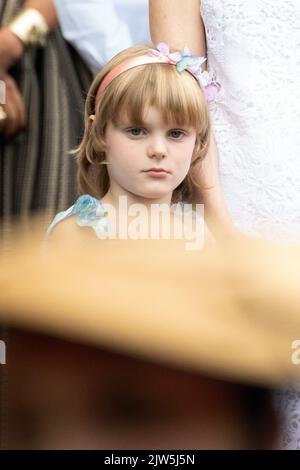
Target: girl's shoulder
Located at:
point(87, 211)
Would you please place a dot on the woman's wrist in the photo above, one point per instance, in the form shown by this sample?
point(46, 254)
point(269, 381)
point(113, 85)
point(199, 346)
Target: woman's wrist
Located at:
point(11, 48)
point(30, 27)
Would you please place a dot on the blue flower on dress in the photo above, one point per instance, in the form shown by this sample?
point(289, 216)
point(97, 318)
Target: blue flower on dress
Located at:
point(90, 211)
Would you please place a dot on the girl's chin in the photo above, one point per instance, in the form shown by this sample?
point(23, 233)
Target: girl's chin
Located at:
point(156, 196)
point(151, 194)
point(156, 193)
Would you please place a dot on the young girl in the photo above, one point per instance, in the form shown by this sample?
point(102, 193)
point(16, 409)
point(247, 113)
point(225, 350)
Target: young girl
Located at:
point(146, 125)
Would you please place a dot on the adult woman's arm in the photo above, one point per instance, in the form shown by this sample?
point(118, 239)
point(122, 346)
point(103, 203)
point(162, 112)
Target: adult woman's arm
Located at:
point(208, 191)
point(179, 24)
point(12, 49)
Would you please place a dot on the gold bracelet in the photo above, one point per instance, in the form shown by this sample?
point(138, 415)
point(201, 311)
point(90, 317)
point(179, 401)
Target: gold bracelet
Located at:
point(30, 27)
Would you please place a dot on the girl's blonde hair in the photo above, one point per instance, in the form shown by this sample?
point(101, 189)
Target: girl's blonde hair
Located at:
point(176, 95)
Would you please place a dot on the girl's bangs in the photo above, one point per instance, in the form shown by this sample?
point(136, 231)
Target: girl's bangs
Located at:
point(176, 95)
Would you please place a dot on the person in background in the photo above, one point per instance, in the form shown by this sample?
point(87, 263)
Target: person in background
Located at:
point(41, 118)
point(255, 165)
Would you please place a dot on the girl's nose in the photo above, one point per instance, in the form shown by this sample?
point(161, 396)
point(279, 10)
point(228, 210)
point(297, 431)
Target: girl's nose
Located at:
point(157, 149)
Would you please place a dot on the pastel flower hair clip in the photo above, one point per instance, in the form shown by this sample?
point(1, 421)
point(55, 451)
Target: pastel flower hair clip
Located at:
point(185, 60)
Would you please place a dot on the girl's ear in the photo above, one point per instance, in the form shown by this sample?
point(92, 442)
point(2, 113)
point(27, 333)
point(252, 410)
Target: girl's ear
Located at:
point(91, 119)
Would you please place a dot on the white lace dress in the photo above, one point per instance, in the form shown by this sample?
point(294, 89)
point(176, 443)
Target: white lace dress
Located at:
point(253, 48)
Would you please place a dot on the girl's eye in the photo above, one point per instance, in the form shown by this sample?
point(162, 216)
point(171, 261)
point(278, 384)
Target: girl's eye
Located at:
point(136, 131)
point(176, 134)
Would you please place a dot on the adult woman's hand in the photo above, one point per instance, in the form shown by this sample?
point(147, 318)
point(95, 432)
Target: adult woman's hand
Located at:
point(14, 107)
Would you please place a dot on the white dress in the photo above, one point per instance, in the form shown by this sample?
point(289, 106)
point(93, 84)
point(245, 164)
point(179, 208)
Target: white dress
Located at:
point(253, 48)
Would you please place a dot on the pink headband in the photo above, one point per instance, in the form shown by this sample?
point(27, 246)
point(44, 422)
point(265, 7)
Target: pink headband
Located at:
point(183, 60)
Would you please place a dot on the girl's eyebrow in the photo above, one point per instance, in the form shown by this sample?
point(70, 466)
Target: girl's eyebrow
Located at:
point(130, 122)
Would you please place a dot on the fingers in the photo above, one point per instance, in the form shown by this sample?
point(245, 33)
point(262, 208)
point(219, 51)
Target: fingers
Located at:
point(14, 108)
